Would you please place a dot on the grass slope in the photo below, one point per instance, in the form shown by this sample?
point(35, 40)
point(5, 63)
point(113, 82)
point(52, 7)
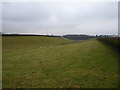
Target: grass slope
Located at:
point(0, 62)
point(40, 62)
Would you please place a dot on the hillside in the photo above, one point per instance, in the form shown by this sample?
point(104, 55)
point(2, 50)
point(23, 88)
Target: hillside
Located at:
point(30, 42)
point(55, 62)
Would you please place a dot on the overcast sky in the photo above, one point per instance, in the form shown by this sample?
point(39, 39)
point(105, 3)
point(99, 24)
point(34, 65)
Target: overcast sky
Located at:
point(60, 18)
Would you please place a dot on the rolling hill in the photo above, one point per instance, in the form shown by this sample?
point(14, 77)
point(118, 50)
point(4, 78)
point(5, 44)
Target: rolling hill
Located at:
point(55, 62)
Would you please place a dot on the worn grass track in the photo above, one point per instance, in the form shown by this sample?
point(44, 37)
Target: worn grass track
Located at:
point(48, 62)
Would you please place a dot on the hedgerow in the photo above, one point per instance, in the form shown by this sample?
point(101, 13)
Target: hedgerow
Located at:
point(112, 41)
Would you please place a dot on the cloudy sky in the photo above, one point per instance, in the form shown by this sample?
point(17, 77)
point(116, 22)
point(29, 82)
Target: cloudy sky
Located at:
point(60, 18)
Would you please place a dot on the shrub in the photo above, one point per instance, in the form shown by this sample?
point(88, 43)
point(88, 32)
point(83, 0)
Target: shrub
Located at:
point(112, 41)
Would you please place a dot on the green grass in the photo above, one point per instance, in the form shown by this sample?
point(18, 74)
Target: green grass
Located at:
point(52, 62)
point(0, 62)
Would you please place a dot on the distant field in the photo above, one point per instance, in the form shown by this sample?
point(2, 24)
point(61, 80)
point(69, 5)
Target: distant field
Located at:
point(55, 62)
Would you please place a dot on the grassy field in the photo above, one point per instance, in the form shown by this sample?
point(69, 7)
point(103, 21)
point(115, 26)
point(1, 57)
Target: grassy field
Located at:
point(0, 62)
point(55, 62)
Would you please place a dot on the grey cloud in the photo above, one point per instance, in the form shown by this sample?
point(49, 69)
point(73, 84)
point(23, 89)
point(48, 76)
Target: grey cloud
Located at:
point(60, 18)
